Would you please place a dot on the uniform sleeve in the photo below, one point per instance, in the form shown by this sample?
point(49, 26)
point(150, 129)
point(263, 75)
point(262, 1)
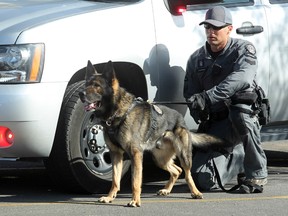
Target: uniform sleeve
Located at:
point(191, 81)
point(241, 78)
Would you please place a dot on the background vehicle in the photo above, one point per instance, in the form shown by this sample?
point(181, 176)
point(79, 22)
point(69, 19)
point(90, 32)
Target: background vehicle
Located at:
point(45, 46)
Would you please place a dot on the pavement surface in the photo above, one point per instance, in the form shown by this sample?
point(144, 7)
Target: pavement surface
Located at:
point(25, 189)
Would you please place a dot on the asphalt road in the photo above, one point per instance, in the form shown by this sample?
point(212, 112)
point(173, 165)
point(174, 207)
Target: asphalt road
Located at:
point(25, 191)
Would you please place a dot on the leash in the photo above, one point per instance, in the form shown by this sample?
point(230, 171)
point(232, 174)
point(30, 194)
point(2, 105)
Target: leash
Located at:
point(169, 102)
point(235, 187)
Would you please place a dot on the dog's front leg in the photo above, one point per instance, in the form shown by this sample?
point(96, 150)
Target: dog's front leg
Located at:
point(117, 166)
point(137, 168)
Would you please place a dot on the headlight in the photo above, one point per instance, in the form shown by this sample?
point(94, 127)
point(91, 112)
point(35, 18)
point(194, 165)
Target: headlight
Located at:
point(21, 63)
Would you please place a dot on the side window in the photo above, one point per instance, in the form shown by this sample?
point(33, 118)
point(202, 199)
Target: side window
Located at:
point(278, 1)
point(207, 3)
point(193, 2)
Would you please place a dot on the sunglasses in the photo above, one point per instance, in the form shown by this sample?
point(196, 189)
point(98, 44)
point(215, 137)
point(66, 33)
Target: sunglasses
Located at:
point(209, 26)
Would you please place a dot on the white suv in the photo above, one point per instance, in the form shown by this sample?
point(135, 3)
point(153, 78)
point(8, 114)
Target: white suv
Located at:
point(45, 46)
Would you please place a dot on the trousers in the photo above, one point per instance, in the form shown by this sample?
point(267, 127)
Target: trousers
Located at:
point(237, 129)
point(248, 129)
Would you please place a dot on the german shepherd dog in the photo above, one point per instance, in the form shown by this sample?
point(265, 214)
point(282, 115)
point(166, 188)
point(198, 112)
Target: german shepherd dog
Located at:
point(133, 126)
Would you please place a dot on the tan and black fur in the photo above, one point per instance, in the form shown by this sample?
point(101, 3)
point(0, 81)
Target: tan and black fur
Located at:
point(126, 125)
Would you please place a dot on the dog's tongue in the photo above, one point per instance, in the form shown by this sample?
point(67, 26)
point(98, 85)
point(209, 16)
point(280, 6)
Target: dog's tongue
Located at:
point(90, 107)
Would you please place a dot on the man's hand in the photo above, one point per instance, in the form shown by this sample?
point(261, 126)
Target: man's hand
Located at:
point(198, 106)
point(198, 101)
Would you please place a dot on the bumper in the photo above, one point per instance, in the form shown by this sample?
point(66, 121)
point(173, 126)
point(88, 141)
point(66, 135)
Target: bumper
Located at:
point(31, 111)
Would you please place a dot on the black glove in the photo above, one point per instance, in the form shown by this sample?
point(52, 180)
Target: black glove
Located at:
point(198, 101)
point(198, 106)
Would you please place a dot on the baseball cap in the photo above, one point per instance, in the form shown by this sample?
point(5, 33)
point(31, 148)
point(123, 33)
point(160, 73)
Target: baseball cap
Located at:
point(217, 16)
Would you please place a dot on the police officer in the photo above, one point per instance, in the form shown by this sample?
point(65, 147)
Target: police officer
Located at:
point(219, 84)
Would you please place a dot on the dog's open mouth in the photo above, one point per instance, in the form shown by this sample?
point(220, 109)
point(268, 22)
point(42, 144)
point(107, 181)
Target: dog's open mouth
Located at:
point(93, 106)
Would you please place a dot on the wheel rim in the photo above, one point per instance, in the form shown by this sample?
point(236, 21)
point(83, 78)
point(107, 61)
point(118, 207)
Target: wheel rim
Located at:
point(93, 147)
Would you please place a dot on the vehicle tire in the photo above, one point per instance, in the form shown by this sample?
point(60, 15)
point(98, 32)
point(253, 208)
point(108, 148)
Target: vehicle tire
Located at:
point(80, 160)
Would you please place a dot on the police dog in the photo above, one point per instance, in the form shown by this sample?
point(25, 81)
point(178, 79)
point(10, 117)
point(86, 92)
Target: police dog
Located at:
point(134, 126)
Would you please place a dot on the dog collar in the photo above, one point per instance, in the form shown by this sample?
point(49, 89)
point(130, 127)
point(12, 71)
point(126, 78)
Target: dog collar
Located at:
point(110, 120)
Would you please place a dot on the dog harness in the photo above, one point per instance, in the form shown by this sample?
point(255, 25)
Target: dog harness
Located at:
point(112, 131)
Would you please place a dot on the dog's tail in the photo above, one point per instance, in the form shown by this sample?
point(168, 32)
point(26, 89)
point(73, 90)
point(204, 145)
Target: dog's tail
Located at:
point(205, 141)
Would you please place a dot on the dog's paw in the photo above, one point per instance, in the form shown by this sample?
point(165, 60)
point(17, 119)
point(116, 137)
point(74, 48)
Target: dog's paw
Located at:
point(163, 192)
point(105, 199)
point(197, 196)
point(133, 203)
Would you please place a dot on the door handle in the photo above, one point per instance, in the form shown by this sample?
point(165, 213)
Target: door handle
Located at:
point(249, 30)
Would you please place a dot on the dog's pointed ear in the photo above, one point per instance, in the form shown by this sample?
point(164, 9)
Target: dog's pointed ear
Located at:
point(109, 71)
point(90, 70)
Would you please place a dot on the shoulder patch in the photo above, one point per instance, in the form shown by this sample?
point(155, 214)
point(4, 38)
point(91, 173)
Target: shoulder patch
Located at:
point(251, 49)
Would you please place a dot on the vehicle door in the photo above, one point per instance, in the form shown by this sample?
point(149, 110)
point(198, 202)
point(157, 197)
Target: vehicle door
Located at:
point(277, 13)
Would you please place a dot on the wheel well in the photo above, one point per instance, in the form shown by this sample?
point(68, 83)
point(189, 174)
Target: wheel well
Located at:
point(130, 76)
